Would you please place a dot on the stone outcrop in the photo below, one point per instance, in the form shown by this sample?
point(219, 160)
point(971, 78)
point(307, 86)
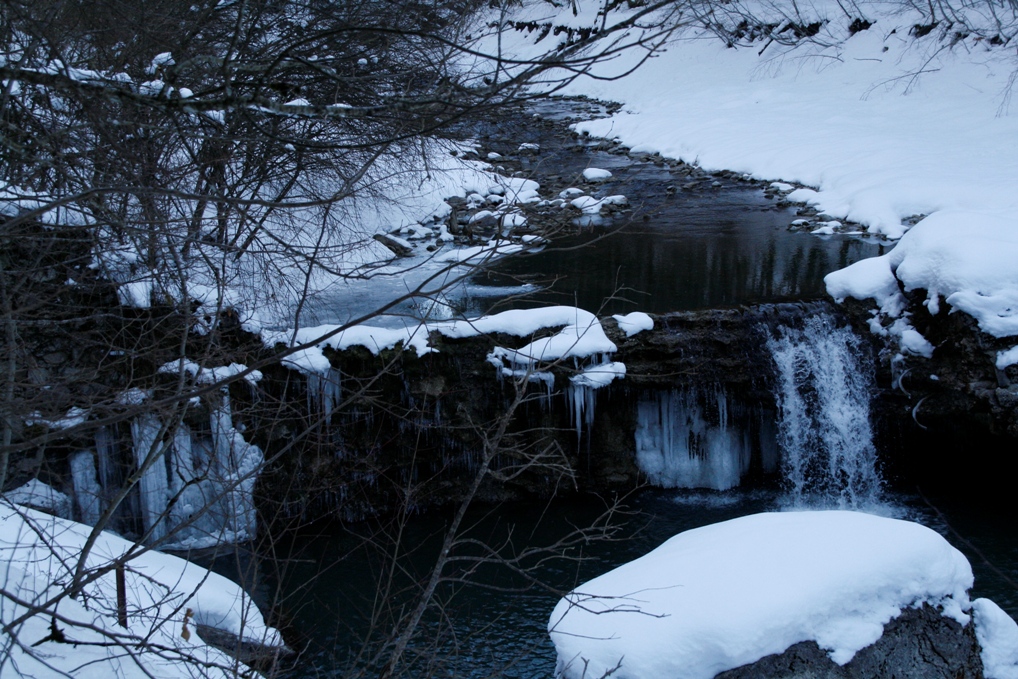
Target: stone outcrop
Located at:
point(918, 644)
point(929, 411)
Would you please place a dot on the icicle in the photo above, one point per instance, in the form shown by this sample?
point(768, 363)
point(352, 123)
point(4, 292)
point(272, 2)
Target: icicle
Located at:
point(324, 392)
point(236, 463)
point(153, 486)
point(106, 452)
point(87, 492)
point(680, 444)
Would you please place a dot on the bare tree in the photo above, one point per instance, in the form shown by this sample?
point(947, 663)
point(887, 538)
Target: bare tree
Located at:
point(169, 169)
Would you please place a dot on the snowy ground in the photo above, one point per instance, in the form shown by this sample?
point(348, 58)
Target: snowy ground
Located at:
point(880, 128)
point(50, 633)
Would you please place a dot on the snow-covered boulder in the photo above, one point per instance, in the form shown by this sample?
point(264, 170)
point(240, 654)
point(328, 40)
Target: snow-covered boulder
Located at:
point(596, 175)
point(724, 596)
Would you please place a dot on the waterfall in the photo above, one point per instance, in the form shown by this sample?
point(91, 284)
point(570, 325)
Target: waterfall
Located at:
point(823, 389)
point(684, 439)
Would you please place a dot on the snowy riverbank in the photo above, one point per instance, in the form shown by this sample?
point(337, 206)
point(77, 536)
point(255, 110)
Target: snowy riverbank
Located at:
point(876, 126)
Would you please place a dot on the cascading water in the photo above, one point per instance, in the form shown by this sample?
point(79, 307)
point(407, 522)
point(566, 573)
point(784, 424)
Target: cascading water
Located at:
point(823, 390)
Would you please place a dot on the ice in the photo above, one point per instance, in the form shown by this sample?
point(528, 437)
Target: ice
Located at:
point(685, 442)
point(153, 485)
point(325, 391)
point(719, 597)
point(87, 491)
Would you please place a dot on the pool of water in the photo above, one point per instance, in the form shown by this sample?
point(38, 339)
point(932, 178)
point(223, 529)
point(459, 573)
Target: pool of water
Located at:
point(337, 598)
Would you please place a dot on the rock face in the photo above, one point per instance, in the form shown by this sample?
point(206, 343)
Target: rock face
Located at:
point(918, 644)
point(928, 409)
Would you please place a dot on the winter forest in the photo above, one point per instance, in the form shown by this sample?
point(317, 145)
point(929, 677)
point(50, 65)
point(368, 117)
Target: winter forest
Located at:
point(539, 338)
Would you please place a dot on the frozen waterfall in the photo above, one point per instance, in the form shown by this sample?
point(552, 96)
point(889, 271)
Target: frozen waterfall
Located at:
point(687, 439)
point(197, 485)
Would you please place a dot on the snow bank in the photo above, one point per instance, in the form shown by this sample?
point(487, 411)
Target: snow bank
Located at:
point(166, 598)
point(42, 496)
point(997, 634)
point(968, 259)
point(719, 597)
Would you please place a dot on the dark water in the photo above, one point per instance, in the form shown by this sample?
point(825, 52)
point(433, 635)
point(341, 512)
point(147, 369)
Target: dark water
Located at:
point(726, 247)
point(679, 247)
point(495, 627)
point(324, 581)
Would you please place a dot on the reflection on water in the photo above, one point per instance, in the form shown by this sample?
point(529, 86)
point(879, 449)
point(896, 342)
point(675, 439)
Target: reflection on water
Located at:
point(723, 247)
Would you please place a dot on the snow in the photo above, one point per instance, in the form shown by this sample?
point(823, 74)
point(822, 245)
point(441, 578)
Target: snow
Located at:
point(593, 174)
point(165, 596)
point(207, 374)
point(72, 418)
point(966, 260)
point(719, 597)
point(601, 375)
point(580, 337)
point(997, 634)
point(1007, 358)
point(634, 322)
point(42, 496)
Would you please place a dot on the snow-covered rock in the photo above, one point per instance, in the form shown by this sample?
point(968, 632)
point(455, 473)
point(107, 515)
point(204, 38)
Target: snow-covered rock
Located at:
point(634, 322)
point(723, 596)
point(39, 495)
point(966, 258)
point(595, 175)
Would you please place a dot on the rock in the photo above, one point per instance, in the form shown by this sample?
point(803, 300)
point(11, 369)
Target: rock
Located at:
point(399, 247)
point(253, 654)
point(1007, 397)
point(918, 644)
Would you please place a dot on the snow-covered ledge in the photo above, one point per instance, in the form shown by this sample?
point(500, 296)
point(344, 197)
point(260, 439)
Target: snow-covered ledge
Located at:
point(724, 596)
point(966, 259)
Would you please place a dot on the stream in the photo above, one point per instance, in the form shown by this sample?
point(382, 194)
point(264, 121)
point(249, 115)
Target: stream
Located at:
point(685, 243)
